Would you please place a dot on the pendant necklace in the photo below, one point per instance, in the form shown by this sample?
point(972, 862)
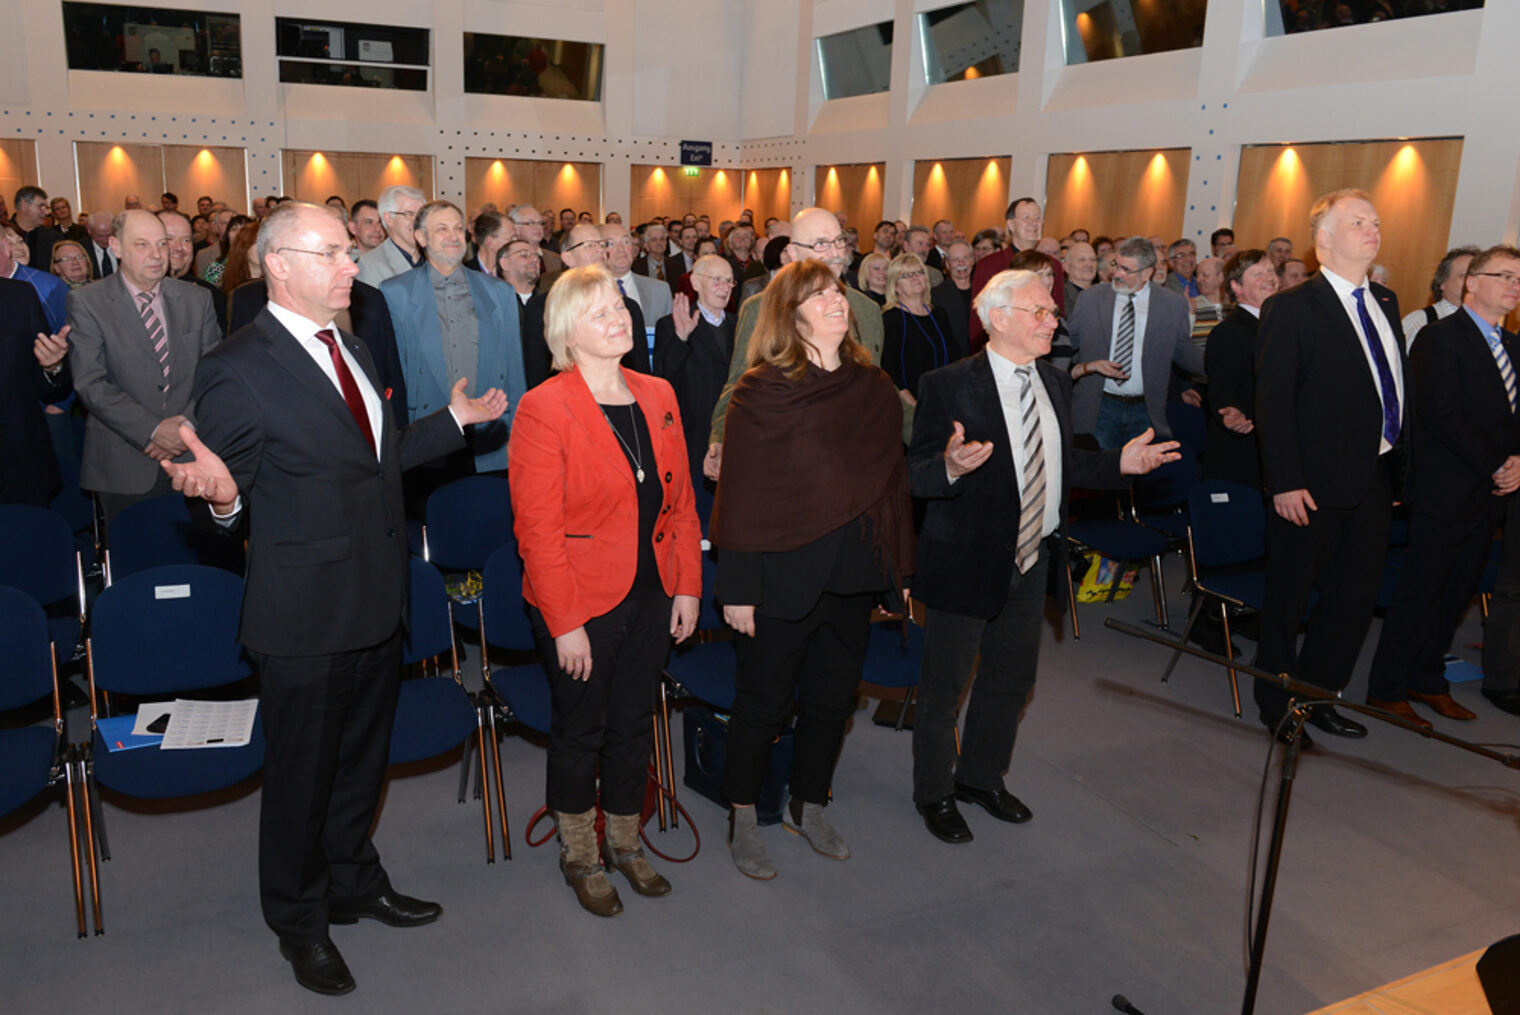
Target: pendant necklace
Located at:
point(636, 452)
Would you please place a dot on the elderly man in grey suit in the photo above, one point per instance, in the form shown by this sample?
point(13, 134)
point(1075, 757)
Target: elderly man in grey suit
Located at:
point(652, 295)
point(398, 212)
point(136, 338)
point(1117, 327)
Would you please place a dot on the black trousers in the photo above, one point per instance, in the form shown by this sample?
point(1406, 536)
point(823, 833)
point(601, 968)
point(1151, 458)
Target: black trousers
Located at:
point(1445, 562)
point(1009, 646)
point(604, 724)
point(1341, 552)
point(1501, 630)
point(328, 721)
point(815, 661)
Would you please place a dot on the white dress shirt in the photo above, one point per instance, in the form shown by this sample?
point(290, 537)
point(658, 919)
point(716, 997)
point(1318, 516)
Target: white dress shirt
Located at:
point(1344, 290)
point(305, 331)
point(1413, 322)
point(1134, 384)
point(1006, 374)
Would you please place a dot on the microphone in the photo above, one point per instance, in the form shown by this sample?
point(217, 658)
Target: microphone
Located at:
point(1122, 1004)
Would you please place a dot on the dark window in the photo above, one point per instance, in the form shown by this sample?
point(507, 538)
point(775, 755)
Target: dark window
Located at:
point(517, 65)
point(346, 53)
point(1113, 28)
point(1310, 15)
point(147, 40)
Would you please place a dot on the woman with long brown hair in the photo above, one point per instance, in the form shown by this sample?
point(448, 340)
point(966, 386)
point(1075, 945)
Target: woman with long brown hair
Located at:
point(813, 527)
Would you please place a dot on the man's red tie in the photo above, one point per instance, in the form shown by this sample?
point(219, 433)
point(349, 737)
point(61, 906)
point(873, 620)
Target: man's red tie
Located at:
point(349, 385)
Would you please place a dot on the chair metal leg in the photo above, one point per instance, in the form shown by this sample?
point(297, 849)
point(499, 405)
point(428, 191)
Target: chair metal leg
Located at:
point(659, 770)
point(501, 793)
point(670, 757)
point(1187, 632)
point(91, 802)
point(464, 760)
point(95, 813)
point(907, 703)
point(485, 799)
point(1071, 601)
point(72, 805)
point(1229, 652)
point(1158, 593)
point(1483, 603)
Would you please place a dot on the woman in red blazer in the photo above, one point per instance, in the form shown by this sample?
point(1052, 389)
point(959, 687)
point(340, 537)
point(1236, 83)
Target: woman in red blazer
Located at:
point(612, 568)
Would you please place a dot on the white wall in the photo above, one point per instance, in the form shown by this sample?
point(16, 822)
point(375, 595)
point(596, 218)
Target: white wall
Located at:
point(741, 73)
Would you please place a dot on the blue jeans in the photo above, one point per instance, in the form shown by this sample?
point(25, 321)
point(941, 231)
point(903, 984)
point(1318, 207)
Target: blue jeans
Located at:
point(1119, 423)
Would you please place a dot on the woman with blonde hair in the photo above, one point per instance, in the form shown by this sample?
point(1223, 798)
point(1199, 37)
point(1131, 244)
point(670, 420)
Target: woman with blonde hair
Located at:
point(872, 274)
point(917, 336)
point(813, 526)
point(612, 570)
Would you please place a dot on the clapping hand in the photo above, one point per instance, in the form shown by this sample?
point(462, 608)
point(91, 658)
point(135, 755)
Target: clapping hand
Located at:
point(1140, 456)
point(204, 476)
point(469, 410)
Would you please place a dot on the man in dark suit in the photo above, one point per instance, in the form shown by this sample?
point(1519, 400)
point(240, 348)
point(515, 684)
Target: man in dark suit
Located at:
point(681, 261)
point(1330, 399)
point(33, 371)
point(1116, 325)
point(953, 295)
point(135, 341)
point(1025, 221)
point(992, 455)
point(692, 348)
point(302, 451)
point(182, 261)
point(30, 218)
point(1229, 362)
point(1464, 463)
point(651, 263)
point(584, 246)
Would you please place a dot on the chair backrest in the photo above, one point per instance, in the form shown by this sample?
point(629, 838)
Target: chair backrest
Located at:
point(168, 629)
point(526, 690)
point(1168, 486)
point(26, 662)
point(1228, 522)
point(1188, 425)
point(467, 520)
point(37, 553)
point(891, 662)
point(506, 617)
point(431, 630)
point(159, 531)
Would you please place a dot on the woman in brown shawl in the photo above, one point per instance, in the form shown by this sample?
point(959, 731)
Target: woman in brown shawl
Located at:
point(813, 526)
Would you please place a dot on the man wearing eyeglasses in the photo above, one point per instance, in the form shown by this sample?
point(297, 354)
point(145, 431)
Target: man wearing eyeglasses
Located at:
point(398, 208)
point(815, 235)
point(1025, 224)
point(583, 246)
point(298, 432)
point(992, 458)
point(530, 223)
point(1182, 258)
point(450, 323)
point(1464, 466)
point(1127, 334)
point(693, 346)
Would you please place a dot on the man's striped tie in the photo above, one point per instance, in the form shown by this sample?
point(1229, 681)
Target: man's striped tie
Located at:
point(1032, 496)
point(1124, 346)
point(156, 334)
point(1506, 368)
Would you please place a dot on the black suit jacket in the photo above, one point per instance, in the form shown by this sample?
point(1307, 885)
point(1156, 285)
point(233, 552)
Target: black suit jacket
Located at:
point(28, 468)
point(1229, 362)
point(675, 267)
point(956, 304)
point(538, 363)
point(643, 266)
point(1319, 419)
point(327, 548)
point(367, 312)
point(1462, 428)
point(697, 369)
point(967, 545)
point(218, 299)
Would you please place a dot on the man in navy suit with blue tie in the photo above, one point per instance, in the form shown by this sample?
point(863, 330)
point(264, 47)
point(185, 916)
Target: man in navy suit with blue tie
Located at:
point(1330, 412)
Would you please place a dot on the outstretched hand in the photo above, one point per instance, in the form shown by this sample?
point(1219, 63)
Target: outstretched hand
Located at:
point(962, 456)
point(204, 476)
point(1140, 456)
point(683, 314)
point(469, 410)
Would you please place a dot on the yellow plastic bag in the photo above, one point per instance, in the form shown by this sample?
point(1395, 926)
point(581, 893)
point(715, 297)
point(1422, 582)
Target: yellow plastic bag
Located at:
point(1100, 577)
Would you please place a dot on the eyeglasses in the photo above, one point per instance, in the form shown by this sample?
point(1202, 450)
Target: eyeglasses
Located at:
point(69, 259)
point(529, 222)
point(718, 280)
point(915, 273)
point(1041, 314)
point(1120, 269)
point(824, 246)
point(332, 255)
point(599, 244)
point(1505, 277)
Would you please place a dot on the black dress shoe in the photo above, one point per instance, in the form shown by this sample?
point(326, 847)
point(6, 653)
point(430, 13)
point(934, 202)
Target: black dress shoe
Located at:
point(1000, 803)
point(1505, 701)
point(943, 820)
point(389, 907)
point(319, 967)
point(1328, 720)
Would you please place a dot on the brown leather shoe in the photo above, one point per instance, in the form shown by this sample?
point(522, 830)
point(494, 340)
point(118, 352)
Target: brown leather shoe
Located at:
point(1403, 710)
point(592, 889)
point(643, 878)
point(1444, 705)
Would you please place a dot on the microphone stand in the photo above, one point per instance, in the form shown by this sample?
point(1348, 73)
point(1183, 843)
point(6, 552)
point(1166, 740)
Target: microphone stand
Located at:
point(1308, 697)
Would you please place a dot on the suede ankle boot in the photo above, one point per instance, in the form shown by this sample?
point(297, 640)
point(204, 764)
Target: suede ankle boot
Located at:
point(621, 850)
point(578, 862)
point(744, 842)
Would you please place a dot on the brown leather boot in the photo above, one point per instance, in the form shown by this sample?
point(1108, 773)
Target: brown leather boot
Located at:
point(621, 849)
point(578, 862)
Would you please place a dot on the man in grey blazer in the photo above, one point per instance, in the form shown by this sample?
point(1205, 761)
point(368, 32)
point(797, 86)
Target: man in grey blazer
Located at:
point(398, 212)
point(1116, 326)
point(653, 296)
point(136, 338)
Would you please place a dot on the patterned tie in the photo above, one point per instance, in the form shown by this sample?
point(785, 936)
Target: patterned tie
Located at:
point(156, 333)
point(105, 264)
point(1032, 496)
point(659, 268)
point(349, 385)
point(1506, 369)
point(1385, 375)
point(1124, 346)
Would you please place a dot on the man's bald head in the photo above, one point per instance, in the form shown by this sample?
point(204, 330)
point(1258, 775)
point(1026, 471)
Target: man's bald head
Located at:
point(812, 226)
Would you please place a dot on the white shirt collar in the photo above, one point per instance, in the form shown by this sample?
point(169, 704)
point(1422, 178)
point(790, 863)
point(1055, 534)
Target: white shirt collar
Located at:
point(1253, 311)
point(714, 319)
point(303, 328)
point(1342, 287)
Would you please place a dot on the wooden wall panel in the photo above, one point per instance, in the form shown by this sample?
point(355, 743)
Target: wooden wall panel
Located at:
point(972, 193)
point(316, 176)
point(109, 172)
point(1136, 193)
point(18, 167)
point(855, 190)
point(1413, 185)
point(190, 171)
point(668, 191)
point(505, 182)
point(768, 193)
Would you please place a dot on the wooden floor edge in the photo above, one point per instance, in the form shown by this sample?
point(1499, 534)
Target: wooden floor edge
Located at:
point(1451, 988)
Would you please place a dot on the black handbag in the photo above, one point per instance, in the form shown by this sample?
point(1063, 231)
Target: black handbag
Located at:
point(705, 739)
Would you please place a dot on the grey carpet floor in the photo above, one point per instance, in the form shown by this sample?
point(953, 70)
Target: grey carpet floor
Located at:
point(1131, 879)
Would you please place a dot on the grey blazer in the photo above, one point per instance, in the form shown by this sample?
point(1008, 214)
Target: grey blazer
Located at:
point(654, 298)
point(120, 382)
point(1167, 341)
point(385, 261)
